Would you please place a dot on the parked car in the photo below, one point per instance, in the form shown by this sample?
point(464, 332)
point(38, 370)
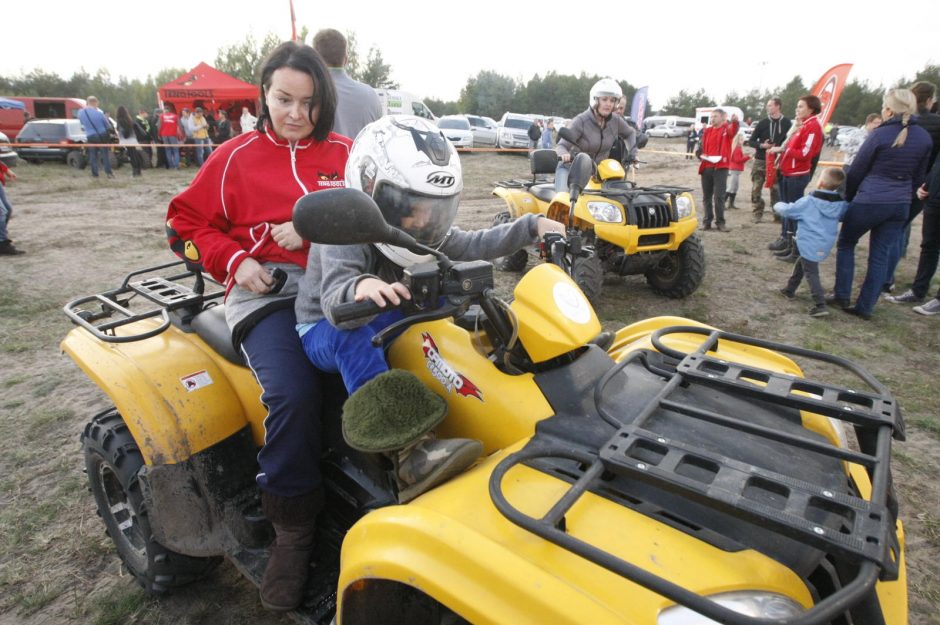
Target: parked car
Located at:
point(7, 155)
point(514, 130)
point(457, 130)
point(667, 131)
point(484, 131)
point(64, 139)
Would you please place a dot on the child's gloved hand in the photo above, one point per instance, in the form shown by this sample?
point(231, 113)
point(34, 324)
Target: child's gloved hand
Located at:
point(381, 292)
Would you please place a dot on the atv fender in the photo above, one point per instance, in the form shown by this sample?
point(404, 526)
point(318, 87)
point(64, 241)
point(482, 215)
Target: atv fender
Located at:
point(175, 395)
point(470, 558)
point(518, 201)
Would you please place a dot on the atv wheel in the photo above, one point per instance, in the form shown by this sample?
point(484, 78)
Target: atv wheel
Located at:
point(680, 272)
point(516, 261)
point(113, 462)
point(588, 274)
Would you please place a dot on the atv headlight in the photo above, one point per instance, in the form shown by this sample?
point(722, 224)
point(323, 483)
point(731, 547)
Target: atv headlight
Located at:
point(754, 603)
point(606, 212)
point(685, 206)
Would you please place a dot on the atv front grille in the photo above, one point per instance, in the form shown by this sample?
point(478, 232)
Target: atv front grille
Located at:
point(859, 533)
point(651, 215)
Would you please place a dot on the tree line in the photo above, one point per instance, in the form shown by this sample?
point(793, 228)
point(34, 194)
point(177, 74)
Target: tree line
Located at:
point(488, 93)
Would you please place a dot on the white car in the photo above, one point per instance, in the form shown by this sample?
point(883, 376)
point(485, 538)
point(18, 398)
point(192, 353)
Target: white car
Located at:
point(668, 132)
point(484, 131)
point(457, 130)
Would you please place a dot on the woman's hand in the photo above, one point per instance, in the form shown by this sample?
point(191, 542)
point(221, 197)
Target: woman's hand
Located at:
point(550, 225)
point(285, 236)
point(252, 276)
point(922, 192)
point(565, 158)
point(381, 292)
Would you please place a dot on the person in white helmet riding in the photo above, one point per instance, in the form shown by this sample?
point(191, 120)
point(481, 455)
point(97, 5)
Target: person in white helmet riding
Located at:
point(595, 130)
point(413, 174)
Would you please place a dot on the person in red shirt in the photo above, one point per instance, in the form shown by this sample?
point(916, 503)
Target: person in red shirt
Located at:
point(714, 153)
point(169, 134)
point(235, 220)
point(738, 159)
point(6, 211)
point(797, 162)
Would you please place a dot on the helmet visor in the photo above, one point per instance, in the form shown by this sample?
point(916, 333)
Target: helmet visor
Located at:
point(427, 218)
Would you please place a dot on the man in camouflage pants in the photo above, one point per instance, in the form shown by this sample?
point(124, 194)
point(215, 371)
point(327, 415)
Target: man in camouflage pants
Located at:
point(770, 131)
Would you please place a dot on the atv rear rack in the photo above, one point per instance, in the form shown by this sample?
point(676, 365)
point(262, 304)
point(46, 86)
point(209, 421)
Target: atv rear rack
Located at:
point(169, 295)
point(864, 535)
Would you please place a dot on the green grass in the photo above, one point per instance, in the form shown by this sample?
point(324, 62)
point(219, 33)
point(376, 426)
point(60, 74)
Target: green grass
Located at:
point(120, 606)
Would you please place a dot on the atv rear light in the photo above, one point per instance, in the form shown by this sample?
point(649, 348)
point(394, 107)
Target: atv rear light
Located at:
point(606, 212)
point(754, 603)
point(684, 206)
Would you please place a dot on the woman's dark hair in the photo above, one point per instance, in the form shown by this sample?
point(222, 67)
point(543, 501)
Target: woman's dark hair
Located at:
point(303, 59)
point(124, 122)
point(813, 102)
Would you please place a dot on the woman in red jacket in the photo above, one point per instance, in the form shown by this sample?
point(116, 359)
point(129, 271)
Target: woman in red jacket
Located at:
point(797, 162)
point(235, 220)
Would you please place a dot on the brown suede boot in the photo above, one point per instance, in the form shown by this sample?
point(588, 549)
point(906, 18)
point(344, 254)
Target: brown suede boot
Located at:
point(294, 521)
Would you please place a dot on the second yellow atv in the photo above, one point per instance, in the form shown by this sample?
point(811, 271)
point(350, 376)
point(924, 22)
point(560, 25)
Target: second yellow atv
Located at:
point(624, 229)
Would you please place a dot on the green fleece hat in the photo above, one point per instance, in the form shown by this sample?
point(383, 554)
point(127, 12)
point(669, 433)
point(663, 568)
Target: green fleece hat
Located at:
point(390, 411)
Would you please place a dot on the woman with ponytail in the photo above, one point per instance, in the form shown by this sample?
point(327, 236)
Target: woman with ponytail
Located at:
point(883, 178)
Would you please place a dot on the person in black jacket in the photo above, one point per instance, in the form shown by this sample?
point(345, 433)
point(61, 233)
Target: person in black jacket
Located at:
point(770, 132)
point(535, 133)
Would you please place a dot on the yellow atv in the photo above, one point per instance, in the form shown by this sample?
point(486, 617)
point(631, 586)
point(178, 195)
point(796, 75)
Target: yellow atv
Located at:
point(668, 473)
point(623, 229)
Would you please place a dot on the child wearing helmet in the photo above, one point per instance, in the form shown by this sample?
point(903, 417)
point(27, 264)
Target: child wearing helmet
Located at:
point(413, 174)
point(595, 130)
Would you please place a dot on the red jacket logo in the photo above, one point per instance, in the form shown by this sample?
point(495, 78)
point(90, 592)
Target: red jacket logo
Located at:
point(444, 373)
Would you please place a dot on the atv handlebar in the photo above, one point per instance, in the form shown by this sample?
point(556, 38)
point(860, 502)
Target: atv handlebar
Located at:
point(357, 310)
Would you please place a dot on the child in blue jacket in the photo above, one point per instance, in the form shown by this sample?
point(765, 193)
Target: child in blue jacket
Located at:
point(819, 214)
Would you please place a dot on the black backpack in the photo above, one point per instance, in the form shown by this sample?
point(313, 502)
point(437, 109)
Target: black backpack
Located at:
point(140, 133)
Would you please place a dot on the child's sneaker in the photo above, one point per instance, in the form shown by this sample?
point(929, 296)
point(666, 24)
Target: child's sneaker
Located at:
point(819, 310)
point(787, 293)
point(930, 308)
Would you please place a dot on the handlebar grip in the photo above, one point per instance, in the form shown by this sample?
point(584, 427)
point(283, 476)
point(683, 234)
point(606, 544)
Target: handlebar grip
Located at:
point(358, 310)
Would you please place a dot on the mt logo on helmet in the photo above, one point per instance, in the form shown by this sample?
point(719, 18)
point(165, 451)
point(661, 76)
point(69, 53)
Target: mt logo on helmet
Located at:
point(441, 179)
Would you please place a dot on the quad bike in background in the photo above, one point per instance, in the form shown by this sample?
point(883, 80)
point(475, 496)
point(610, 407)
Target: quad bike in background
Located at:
point(623, 228)
point(666, 473)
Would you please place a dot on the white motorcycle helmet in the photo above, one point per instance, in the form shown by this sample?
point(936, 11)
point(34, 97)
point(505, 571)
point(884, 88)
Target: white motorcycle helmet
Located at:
point(604, 87)
point(413, 173)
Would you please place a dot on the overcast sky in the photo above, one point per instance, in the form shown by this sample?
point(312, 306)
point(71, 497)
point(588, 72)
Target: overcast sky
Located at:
point(434, 48)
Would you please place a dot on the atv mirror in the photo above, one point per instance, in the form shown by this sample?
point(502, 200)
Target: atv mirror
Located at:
point(641, 140)
point(581, 169)
point(345, 217)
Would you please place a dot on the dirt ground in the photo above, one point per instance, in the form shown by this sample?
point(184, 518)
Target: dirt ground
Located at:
point(82, 235)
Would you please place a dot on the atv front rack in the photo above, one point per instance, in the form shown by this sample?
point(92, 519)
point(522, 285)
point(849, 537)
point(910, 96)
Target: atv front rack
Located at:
point(168, 294)
point(865, 537)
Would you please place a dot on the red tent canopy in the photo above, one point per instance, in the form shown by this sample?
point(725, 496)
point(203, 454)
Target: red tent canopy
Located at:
point(211, 89)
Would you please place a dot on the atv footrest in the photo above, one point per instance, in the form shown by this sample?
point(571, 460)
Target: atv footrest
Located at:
point(833, 521)
point(168, 294)
point(860, 408)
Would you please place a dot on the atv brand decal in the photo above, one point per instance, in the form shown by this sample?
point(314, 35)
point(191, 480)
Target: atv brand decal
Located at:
point(440, 179)
point(444, 373)
point(196, 381)
point(571, 302)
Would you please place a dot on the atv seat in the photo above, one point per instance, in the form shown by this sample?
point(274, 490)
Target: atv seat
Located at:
point(211, 327)
point(544, 191)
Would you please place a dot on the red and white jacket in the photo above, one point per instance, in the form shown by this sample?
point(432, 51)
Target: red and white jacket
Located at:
point(716, 141)
point(802, 147)
point(249, 184)
point(738, 159)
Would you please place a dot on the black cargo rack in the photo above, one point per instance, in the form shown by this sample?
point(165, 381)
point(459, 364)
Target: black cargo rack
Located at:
point(868, 539)
point(167, 293)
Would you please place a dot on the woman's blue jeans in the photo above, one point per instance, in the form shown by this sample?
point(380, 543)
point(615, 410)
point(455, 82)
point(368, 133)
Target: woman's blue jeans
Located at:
point(886, 223)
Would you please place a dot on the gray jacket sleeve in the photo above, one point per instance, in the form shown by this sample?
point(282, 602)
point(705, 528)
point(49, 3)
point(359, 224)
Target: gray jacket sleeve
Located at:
point(490, 243)
point(343, 267)
point(576, 126)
